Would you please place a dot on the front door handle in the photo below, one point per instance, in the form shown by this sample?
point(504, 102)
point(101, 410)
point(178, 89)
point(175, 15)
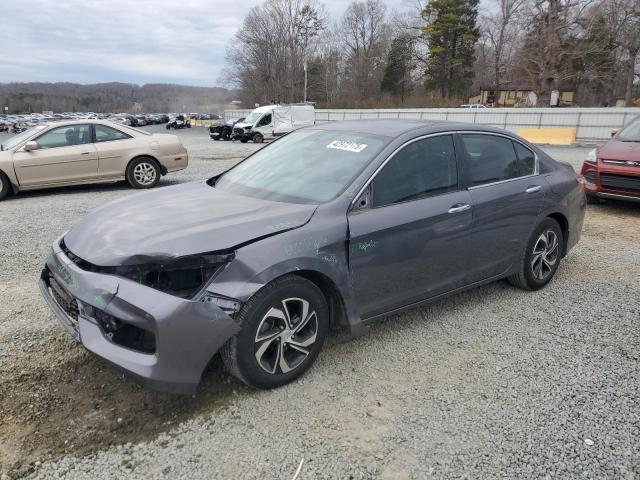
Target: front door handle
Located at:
point(85, 153)
point(459, 207)
point(533, 189)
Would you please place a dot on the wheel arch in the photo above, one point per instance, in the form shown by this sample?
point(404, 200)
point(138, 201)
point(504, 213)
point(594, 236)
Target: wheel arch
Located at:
point(564, 226)
point(13, 181)
point(163, 169)
point(335, 302)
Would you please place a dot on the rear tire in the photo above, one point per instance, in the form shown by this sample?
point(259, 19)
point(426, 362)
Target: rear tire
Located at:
point(5, 185)
point(143, 172)
point(283, 328)
point(541, 257)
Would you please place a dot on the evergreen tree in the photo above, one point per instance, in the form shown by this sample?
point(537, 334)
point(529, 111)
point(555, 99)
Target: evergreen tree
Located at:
point(451, 34)
point(400, 63)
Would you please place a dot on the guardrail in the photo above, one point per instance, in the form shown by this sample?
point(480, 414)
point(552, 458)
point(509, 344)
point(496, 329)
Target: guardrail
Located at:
point(590, 123)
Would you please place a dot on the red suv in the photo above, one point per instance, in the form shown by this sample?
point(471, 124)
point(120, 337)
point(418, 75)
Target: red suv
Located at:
point(613, 170)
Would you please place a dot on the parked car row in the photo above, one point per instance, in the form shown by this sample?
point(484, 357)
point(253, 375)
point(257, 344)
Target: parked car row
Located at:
point(19, 123)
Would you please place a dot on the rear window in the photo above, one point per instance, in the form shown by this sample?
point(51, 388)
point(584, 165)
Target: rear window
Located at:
point(490, 158)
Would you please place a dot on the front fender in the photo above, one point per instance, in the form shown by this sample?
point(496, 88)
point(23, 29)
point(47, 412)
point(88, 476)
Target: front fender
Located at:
point(320, 247)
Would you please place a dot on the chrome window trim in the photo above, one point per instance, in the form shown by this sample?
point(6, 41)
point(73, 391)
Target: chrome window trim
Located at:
point(535, 173)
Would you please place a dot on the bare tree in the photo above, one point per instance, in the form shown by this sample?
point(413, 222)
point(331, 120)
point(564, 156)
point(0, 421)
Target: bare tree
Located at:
point(501, 28)
point(627, 16)
point(550, 52)
point(365, 34)
point(266, 59)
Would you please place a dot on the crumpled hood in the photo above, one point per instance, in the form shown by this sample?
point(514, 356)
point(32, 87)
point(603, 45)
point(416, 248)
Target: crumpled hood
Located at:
point(175, 221)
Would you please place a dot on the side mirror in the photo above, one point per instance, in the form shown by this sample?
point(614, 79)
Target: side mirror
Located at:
point(29, 146)
point(614, 132)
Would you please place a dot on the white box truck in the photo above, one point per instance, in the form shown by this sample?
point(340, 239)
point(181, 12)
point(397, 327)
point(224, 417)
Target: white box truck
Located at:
point(272, 121)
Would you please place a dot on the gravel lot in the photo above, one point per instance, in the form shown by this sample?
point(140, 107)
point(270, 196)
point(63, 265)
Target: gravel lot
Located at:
point(492, 383)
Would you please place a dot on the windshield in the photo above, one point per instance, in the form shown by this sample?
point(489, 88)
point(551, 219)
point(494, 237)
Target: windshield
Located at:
point(21, 137)
point(631, 133)
point(306, 166)
point(252, 117)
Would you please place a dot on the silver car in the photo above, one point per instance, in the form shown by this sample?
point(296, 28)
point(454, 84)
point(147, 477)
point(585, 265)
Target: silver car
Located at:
point(87, 151)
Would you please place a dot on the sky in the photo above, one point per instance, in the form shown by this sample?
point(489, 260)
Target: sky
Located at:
point(133, 41)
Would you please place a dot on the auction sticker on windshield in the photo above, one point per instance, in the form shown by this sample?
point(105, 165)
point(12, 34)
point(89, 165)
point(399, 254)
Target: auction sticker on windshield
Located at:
point(348, 146)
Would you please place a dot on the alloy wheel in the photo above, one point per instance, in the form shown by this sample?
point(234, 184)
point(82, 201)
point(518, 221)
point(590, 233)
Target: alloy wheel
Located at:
point(144, 173)
point(285, 336)
point(545, 255)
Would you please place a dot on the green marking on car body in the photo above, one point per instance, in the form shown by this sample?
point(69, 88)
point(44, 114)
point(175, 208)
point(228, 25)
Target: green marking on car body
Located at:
point(352, 191)
point(309, 244)
point(99, 301)
point(282, 225)
point(366, 246)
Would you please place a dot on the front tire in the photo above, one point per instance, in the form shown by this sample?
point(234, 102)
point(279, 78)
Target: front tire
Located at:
point(283, 328)
point(5, 185)
point(541, 258)
point(143, 172)
point(258, 138)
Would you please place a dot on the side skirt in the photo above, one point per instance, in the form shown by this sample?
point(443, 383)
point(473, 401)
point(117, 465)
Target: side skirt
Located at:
point(381, 316)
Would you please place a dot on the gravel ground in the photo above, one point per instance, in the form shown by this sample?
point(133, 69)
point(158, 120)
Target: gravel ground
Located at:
point(492, 383)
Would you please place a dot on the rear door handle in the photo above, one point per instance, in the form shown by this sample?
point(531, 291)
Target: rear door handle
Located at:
point(85, 153)
point(533, 189)
point(459, 207)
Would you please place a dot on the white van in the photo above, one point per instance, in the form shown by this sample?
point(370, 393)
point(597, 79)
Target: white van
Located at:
point(272, 121)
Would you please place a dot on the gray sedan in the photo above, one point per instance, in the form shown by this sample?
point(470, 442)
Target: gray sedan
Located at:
point(335, 225)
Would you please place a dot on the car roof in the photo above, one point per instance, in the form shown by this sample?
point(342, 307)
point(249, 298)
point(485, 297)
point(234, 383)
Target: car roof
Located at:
point(80, 121)
point(396, 127)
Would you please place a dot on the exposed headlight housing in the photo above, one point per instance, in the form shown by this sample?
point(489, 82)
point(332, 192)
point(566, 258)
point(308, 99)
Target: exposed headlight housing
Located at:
point(184, 277)
point(591, 157)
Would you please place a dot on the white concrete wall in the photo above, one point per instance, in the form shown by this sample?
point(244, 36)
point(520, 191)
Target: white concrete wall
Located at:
point(590, 123)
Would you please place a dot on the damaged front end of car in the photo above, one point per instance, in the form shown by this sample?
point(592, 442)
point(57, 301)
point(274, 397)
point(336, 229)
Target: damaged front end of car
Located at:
point(153, 319)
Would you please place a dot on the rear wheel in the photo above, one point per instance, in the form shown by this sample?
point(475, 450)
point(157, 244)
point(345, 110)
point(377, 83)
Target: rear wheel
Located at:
point(541, 257)
point(143, 172)
point(283, 328)
point(5, 185)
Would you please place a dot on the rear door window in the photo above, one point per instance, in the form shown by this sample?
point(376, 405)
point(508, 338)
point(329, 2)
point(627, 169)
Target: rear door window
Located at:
point(526, 160)
point(489, 159)
point(108, 134)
